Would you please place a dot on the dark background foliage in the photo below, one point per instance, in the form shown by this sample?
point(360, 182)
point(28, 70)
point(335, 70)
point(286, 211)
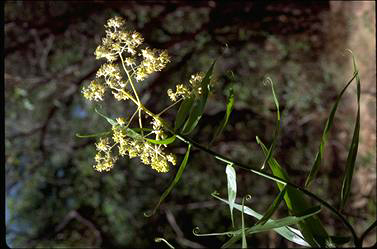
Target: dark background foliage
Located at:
point(54, 198)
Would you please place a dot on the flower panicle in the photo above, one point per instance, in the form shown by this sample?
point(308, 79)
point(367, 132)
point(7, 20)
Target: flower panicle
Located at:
point(129, 62)
point(138, 63)
point(183, 91)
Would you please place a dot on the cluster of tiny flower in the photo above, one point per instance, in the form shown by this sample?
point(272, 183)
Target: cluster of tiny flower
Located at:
point(137, 62)
point(94, 91)
point(104, 159)
point(183, 92)
point(150, 154)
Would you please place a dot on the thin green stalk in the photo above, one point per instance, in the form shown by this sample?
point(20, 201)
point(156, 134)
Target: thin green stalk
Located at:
point(135, 92)
point(129, 78)
point(170, 106)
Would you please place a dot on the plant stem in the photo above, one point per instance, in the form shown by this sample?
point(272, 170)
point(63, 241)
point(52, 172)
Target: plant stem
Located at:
point(271, 177)
point(170, 106)
point(135, 92)
point(362, 237)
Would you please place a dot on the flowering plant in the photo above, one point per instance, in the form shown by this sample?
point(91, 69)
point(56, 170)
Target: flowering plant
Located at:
point(137, 64)
point(123, 50)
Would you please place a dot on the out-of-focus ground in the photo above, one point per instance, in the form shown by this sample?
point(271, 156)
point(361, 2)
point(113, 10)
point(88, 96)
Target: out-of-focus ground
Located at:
point(54, 198)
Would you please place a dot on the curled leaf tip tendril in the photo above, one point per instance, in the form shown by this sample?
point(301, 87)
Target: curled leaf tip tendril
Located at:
point(196, 231)
point(148, 214)
point(267, 80)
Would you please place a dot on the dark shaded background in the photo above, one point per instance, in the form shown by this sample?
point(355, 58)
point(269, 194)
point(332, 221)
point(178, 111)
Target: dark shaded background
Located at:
point(54, 198)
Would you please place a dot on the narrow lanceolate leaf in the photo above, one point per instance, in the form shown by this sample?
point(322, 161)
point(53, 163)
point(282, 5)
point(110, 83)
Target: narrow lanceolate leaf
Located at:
point(318, 159)
point(183, 112)
point(352, 153)
point(194, 117)
point(290, 220)
point(168, 140)
point(174, 182)
point(244, 242)
point(110, 120)
point(100, 134)
point(133, 134)
point(287, 232)
point(312, 229)
point(277, 128)
point(197, 108)
point(229, 108)
point(274, 206)
point(232, 188)
point(141, 129)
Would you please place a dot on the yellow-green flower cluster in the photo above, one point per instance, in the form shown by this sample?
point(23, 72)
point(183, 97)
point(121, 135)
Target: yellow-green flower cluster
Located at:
point(150, 154)
point(104, 159)
point(118, 40)
point(133, 146)
point(183, 92)
point(94, 91)
point(138, 63)
point(195, 81)
point(153, 60)
point(123, 51)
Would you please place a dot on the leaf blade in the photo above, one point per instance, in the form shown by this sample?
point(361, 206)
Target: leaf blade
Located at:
point(244, 242)
point(290, 220)
point(100, 134)
point(277, 126)
point(287, 232)
point(319, 156)
point(183, 112)
point(352, 153)
point(228, 111)
point(110, 120)
point(274, 206)
point(168, 140)
point(312, 228)
point(232, 188)
point(198, 106)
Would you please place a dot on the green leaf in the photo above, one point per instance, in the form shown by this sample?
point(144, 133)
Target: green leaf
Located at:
point(244, 242)
point(183, 112)
point(174, 182)
point(274, 206)
point(312, 229)
point(194, 117)
point(352, 153)
point(290, 220)
point(199, 103)
point(140, 129)
point(110, 120)
point(287, 232)
point(100, 134)
point(232, 188)
point(277, 127)
point(162, 141)
point(133, 134)
point(317, 162)
point(229, 108)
